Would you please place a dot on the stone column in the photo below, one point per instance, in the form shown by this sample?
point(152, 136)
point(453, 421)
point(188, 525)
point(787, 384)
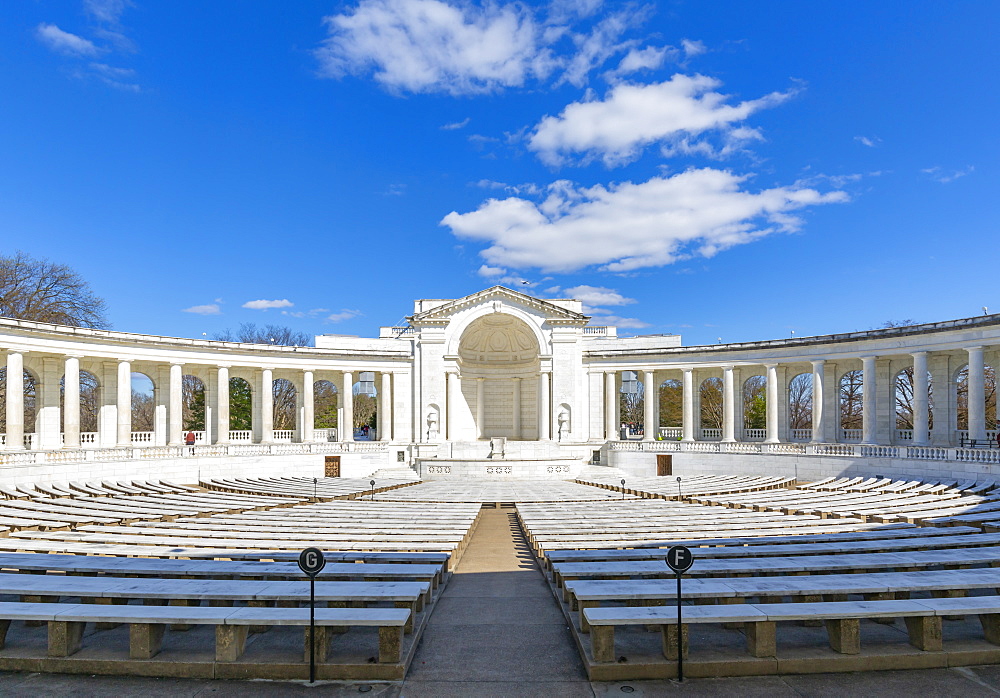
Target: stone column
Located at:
point(977, 395)
point(306, 418)
point(49, 424)
point(819, 403)
point(516, 426)
point(480, 407)
point(650, 400)
point(687, 414)
point(222, 406)
point(869, 419)
point(266, 388)
point(454, 390)
point(15, 401)
point(175, 414)
point(71, 403)
point(544, 409)
point(772, 404)
point(107, 415)
point(161, 400)
point(921, 402)
point(124, 400)
point(610, 406)
point(345, 426)
point(385, 409)
point(831, 402)
point(728, 405)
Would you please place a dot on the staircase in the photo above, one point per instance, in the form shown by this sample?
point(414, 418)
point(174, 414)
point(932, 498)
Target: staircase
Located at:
point(395, 474)
point(601, 471)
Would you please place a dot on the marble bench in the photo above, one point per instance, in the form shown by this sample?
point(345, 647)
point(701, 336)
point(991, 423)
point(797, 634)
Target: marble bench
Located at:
point(66, 624)
point(842, 620)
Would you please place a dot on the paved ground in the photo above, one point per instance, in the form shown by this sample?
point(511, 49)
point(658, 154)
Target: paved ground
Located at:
point(498, 632)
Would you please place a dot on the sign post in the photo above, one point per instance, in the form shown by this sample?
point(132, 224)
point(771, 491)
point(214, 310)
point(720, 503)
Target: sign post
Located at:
point(679, 559)
point(311, 562)
point(372, 483)
point(623, 488)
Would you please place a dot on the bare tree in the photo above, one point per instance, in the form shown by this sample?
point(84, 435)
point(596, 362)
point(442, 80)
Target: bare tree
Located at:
point(800, 402)
point(142, 411)
point(962, 397)
point(365, 407)
point(43, 291)
point(711, 403)
point(671, 403)
point(852, 391)
point(325, 400)
point(193, 403)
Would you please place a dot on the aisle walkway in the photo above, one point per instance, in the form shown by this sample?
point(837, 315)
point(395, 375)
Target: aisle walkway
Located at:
point(497, 630)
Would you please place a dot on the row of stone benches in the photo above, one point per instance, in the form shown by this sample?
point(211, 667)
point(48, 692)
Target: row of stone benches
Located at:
point(106, 488)
point(669, 488)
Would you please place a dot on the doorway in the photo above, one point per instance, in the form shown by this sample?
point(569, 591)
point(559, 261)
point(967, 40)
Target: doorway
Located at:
point(664, 465)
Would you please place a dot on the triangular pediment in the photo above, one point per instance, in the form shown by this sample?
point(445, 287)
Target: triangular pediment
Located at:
point(550, 311)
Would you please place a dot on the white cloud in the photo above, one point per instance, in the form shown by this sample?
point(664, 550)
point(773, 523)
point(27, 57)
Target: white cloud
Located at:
point(431, 46)
point(209, 309)
point(315, 312)
point(529, 188)
point(872, 142)
point(64, 42)
point(595, 49)
point(343, 315)
point(617, 321)
point(692, 48)
point(491, 272)
point(628, 226)
point(597, 295)
point(648, 58)
point(108, 11)
point(267, 305)
point(631, 116)
point(456, 125)
point(944, 176)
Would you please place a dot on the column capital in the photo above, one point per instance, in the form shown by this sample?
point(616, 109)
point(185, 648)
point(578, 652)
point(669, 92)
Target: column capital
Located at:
point(817, 362)
point(922, 352)
point(728, 367)
point(972, 349)
point(74, 356)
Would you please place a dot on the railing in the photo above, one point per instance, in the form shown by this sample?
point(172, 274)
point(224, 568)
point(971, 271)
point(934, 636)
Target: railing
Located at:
point(88, 437)
point(801, 434)
point(242, 436)
point(142, 437)
point(904, 435)
point(672, 433)
point(962, 435)
point(711, 434)
point(754, 434)
point(848, 435)
point(325, 434)
point(284, 434)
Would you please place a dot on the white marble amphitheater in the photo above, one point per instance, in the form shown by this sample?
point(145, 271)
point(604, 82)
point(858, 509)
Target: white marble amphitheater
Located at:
point(843, 517)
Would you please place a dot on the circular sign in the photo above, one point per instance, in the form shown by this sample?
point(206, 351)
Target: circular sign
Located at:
point(311, 561)
point(679, 559)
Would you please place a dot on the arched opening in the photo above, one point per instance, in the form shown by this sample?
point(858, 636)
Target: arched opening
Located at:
point(961, 388)
point(631, 398)
point(755, 408)
point(285, 395)
point(325, 407)
point(193, 406)
point(89, 405)
point(143, 409)
point(365, 400)
point(800, 407)
point(710, 398)
point(28, 391)
point(904, 398)
point(851, 398)
point(671, 409)
point(240, 410)
point(498, 359)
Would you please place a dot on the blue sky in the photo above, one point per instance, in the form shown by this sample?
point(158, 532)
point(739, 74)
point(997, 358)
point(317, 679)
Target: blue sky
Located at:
point(715, 169)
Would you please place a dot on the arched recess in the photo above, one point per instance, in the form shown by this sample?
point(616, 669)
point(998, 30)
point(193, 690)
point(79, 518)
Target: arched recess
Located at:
point(29, 392)
point(240, 408)
point(498, 360)
point(755, 408)
point(285, 395)
point(850, 398)
point(564, 421)
point(960, 384)
point(143, 407)
point(325, 407)
point(710, 399)
point(800, 406)
point(365, 401)
point(631, 402)
point(672, 407)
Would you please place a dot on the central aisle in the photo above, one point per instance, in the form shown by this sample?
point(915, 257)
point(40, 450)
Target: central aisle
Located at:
point(497, 629)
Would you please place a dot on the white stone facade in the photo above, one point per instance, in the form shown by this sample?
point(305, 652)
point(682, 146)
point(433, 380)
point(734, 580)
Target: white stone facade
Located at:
point(497, 363)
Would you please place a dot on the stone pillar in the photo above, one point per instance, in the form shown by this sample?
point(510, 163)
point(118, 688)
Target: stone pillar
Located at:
point(175, 413)
point(49, 424)
point(610, 406)
point(650, 403)
point(266, 389)
point(306, 417)
point(544, 406)
point(772, 404)
point(819, 414)
point(161, 399)
point(868, 404)
point(977, 395)
point(831, 400)
point(15, 401)
point(124, 403)
point(107, 414)
point(385, 409)
point(728, 405)
point(480, 407)
point(516, 427)
point(921, 402)
point(941, 366)
point(687, 382)
point(71, 403)
point(222, 406)
point(454, 390)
